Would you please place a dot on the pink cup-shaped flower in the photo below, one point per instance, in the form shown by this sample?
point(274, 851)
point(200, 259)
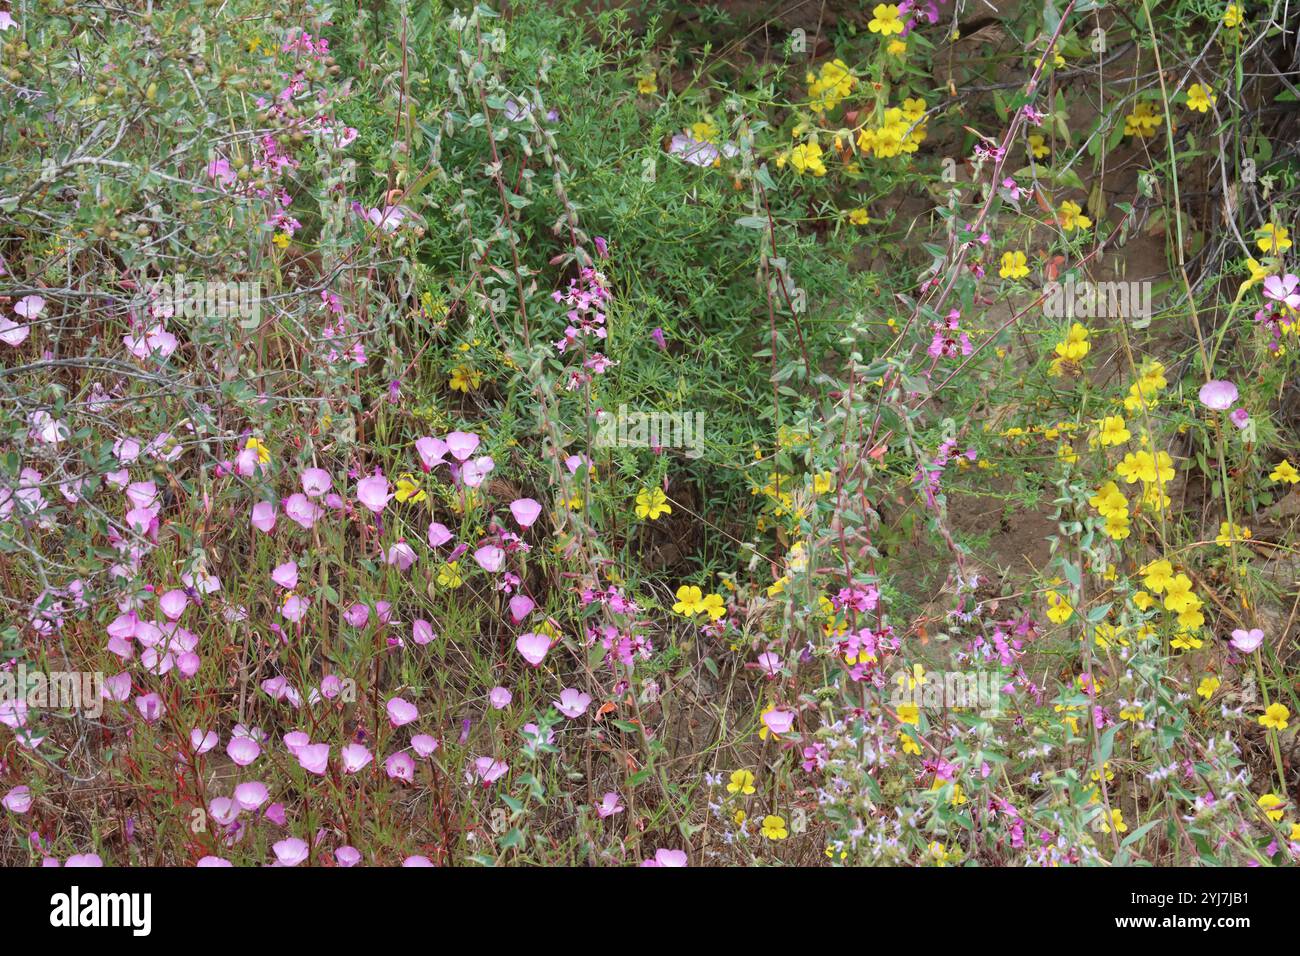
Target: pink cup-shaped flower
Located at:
point(290, 851)
point(347, 856)
point(533, 647)
point(423, 744)
point(473, 472)
point(373, 492)
point(500, 698)
point(488, 770)
point(401, 712)
point(779, 721)
point(609, 806)
point(301, 510)
point(1218, 395)
point(526, 511)
point(572, 703)
point(400, 766)
point(314, 758)
point(117, 687)
point(286, 575)
point(462, 444)
point(224, 810)
point(18, 800)
point(243, 750)
point(173, 604)
point(402, 555)
point(664, 857)
point(421, 631)
point(438, 534)
point(295, 607)
point(355, 758)
point(264, 517)
point(1247, 641)
point(431, 451)
point(489, 558)
point(251, 795)
point(521, 605)
point(150, 707)
point(316, 482)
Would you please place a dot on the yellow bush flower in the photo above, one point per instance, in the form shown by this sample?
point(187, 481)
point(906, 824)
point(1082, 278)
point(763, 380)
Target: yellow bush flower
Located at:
point(713, 606)
point(1107, 634)
point(827, 90)
point(1271, 804)
point(1231, 532)
point(1038, 146)
point(1113, 431)
point(1271, 238)
point(1275, 717)
point(263, 453)
point(1142, 465)
point(1014, 265)
point(1116, 820)
point(1200, 98)
point(1143, 121)
point(1179, 596)
point(885, 20)
point(465, 379)
point(774, 828)
point(690, 600)
point(1258, 273)
point(651, 503)
point(1156, 576)
point(1071, 216)
point(1117, 527)
point(807, 157)
point(742, 782)
point(1058, 608)
point(1076, 344)
point(409, 490)
point(449, 575)
point(1285, 471)
point(1109, 500)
